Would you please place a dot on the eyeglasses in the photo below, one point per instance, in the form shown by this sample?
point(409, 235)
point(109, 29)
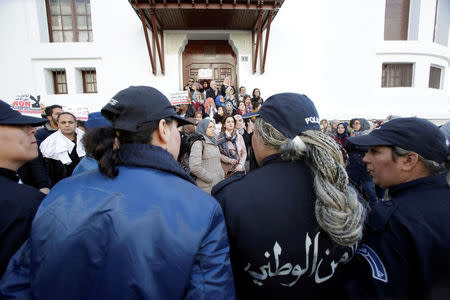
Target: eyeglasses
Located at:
point(191, 80)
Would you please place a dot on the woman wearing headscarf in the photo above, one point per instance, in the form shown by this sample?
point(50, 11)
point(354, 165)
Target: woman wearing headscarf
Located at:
point(232, 147)
point(226, 84)
point(229, 108)
point(210, 107)
point(240, 126)
point(204, 161)
point(333, 127)
point(360, 127)
point(199, 104)
point(220, 100)
point(341, 138)
point(356, 168)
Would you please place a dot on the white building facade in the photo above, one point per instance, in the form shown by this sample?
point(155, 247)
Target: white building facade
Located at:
point(336, 52)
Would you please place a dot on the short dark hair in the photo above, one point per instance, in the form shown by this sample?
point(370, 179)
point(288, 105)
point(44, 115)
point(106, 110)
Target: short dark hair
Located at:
point(49, 109)
point(352, 121)
point(66, 113)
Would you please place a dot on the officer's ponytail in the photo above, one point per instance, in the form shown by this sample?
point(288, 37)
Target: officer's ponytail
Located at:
point(338, 210)
point(103, 144)
point(99, 144)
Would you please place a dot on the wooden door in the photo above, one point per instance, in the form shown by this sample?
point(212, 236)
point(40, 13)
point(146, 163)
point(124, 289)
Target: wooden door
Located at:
point(215, 55)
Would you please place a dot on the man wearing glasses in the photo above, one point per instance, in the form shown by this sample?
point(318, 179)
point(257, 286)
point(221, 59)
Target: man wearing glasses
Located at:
point(189, 86)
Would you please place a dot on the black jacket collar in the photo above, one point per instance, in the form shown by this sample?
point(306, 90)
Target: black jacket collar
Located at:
point(9, 174)
point(271, 158)
point(382, 210)
point(149, 156)
point(422, 183)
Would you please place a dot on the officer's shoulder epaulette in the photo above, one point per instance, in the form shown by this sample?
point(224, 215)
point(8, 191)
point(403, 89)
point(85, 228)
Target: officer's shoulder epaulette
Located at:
point(235, 177)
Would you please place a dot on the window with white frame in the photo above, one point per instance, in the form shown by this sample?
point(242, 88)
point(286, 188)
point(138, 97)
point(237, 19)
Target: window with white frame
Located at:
point(59, 81)
point(89, 77)
point(69, 20)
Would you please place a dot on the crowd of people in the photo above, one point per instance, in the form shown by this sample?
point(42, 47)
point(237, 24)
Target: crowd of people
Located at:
point(227, 196)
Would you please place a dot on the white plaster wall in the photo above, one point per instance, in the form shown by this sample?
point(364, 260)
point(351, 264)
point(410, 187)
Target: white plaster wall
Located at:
point(320, 48)
point(442, 26)
point(15, 49)
point(348, 39)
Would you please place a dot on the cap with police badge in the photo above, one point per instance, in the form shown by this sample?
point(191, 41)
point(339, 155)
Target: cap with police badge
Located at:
point(411, 134)
point(9, 116)
point(137, 105)
point(289, 113)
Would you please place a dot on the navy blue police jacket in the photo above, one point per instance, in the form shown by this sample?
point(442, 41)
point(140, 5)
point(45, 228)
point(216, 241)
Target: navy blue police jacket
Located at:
point(34, 172)
point(278, 251)
point(18, 205)
point(148, 233)
point(405, 252)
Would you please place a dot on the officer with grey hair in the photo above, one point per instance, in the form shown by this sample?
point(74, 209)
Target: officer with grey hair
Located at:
point(293, 222)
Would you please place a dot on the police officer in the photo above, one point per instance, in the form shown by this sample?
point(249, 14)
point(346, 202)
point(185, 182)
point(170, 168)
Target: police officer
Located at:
point(293, 221)
point(406, 248)
point(136, 227)
point(18, 202)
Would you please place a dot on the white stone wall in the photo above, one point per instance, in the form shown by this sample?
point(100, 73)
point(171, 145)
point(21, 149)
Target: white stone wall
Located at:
point(320, 48)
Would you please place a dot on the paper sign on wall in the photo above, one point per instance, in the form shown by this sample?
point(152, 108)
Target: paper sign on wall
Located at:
point(205, 74)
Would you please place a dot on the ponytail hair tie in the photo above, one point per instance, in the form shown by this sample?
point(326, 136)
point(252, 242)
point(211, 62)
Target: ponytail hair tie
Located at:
point(299, 144)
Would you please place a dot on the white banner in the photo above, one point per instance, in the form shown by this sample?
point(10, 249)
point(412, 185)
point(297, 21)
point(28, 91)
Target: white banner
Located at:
point(178, 97)
point(27, 104)
point(205, 74)
point(81, 113)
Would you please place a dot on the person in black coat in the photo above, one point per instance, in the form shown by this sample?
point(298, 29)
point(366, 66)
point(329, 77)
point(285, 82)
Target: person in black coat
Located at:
point(405, 252)
point(19, 202)
point(34, 173)
point(294, 221)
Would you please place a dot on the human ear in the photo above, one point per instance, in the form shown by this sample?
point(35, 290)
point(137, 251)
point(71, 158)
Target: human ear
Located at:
point(409, 161)
point(163, 132)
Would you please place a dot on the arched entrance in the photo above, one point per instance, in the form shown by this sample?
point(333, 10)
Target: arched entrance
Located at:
point(215, 55)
